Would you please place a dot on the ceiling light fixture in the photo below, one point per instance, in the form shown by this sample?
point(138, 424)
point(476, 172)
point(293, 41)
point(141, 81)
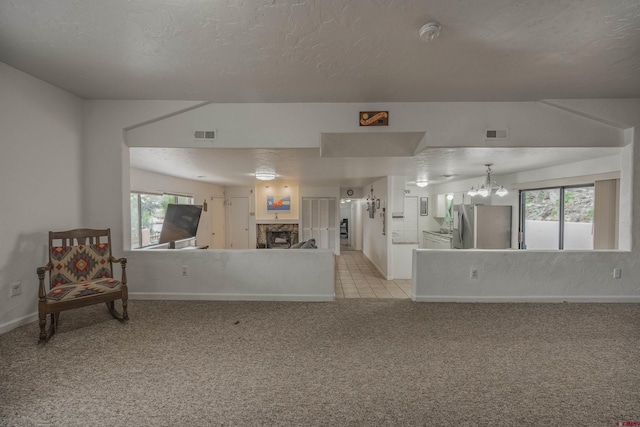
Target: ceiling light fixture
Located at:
point(422, 183)
point(265, 176)
point(484, 189)
point(430, 31)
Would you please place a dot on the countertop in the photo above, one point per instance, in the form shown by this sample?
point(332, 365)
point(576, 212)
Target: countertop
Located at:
point(438, 234)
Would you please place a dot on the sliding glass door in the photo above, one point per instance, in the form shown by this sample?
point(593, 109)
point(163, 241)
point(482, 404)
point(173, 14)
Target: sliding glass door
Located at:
point(557, 218)
point(579, 205)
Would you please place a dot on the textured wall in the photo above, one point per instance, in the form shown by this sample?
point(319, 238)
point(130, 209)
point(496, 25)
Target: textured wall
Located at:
point(549, 275)
point(40, 182)
point(273, 274)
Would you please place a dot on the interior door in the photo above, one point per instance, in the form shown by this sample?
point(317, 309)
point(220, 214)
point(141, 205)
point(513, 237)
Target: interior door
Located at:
point(217, 223)
point(239, 223)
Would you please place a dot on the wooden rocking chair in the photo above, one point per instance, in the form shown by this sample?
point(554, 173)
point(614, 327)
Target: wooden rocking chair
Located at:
point(80, 273)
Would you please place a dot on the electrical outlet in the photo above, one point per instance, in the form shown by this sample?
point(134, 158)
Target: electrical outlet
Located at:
point(617, 273)
point(185, 270)
point(15, 289)
point(473, 273)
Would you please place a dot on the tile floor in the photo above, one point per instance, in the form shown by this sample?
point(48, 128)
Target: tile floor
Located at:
point(356, 277)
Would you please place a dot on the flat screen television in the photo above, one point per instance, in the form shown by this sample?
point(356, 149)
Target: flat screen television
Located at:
point(180, 222)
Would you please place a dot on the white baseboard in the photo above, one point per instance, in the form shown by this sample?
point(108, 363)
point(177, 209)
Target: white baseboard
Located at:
point(544, 299)
point(227, 297)
point(8, 326)
point(379, 269)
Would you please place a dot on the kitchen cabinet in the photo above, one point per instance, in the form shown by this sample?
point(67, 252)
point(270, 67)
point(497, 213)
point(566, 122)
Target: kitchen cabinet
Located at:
point(441, 205)
point(433, 240)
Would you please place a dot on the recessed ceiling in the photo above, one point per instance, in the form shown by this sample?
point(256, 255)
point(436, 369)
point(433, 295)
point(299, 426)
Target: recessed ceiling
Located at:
point(236, 167)
point(327, 51)
point(384, 144)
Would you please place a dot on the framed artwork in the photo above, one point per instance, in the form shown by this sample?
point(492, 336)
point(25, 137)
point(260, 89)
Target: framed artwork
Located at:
point(374, 118)
point(278, 203)
point(424, 206)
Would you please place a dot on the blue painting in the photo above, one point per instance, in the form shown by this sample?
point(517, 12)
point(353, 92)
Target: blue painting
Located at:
point(278, 203)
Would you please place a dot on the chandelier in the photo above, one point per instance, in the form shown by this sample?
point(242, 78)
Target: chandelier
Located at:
point(484, 189)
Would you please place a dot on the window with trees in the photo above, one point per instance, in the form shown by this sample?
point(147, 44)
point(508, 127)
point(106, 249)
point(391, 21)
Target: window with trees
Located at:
point(147, 216)
point(557, 218)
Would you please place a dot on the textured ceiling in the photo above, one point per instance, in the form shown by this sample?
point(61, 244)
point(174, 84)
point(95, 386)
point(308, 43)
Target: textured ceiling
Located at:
point(329, 51)
point(326, 51)
point(230, 166)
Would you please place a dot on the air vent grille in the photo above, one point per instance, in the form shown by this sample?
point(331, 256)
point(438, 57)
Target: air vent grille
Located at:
point(493, 134)
point(205, 134)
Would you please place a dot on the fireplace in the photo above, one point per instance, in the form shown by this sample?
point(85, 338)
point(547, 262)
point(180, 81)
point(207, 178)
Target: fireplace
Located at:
point(272, 236)
point(279, 239)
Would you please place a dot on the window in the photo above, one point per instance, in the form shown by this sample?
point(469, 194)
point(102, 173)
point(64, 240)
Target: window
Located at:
point(557, 218)
point(147, 216)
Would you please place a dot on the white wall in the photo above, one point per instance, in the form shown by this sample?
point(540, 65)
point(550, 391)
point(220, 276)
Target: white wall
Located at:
point(153, 123)
point(548, 275)
point(40, 183)
point(375, 245)
point(530, 124)
point(250, 274)
point(358, 214)
point(145, 181)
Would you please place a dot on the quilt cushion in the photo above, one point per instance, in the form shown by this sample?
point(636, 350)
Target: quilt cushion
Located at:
point(66, 292)
point(82, 263)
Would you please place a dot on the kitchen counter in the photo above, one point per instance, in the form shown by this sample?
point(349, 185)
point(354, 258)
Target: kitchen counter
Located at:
point(438, 234)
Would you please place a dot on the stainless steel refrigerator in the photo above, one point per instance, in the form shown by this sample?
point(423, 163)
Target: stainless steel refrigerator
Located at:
point(481, 227)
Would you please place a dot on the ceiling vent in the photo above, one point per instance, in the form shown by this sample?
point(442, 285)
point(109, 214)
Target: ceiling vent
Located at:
point(496, 134)
point(207, 135)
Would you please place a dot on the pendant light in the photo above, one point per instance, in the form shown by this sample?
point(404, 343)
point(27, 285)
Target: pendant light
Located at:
point(484, 189)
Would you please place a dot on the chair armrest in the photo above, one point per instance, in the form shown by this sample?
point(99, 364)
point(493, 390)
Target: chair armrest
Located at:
point(41, 273)
point(123, 265)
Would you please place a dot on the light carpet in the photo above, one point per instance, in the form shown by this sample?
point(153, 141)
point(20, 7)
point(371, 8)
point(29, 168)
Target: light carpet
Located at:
point(349, 362)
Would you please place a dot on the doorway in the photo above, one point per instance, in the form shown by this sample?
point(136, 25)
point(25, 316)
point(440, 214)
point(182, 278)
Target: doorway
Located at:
point(346, 226)
point(217, 223)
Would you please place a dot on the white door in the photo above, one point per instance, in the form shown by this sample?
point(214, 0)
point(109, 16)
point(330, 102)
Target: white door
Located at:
point(217, 224)
point(239, 223)
point(319, 221)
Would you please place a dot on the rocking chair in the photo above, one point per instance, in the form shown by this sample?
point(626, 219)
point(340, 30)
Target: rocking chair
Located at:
point(80, 274)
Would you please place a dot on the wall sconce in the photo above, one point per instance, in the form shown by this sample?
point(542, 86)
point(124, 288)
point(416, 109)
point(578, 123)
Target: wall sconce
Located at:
point(204, 205)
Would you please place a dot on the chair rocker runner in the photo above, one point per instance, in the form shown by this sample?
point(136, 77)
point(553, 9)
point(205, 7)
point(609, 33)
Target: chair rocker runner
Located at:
point(80, 274)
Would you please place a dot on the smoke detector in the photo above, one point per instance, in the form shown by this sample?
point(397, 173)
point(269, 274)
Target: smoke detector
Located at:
point(430, 31)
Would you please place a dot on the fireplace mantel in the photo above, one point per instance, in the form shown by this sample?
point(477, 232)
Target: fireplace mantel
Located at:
point(277, 221)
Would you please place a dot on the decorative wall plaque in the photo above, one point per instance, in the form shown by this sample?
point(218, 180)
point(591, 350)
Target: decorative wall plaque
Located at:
point(374, 118)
